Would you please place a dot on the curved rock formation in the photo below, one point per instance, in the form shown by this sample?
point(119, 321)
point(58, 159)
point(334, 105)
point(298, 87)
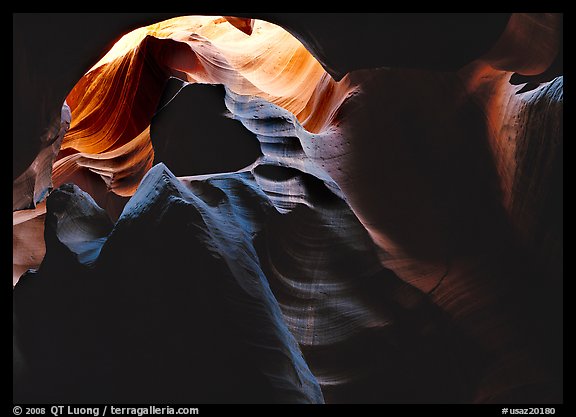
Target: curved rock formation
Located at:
point(32, 185)
point(27, 240)
point(140, 324)
point(454, 241)
point(394, 223)
point(197, 50)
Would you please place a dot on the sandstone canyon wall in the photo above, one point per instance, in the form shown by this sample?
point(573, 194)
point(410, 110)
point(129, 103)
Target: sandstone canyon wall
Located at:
point(268, 208)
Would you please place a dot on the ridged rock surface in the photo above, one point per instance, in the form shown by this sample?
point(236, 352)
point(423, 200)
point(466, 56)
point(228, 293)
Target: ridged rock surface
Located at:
point(34, 183)
point(139, 325)
point(400, 224)
point(448, 236)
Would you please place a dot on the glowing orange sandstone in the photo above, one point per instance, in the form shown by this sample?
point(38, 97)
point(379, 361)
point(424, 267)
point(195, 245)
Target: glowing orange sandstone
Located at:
point(113, 104)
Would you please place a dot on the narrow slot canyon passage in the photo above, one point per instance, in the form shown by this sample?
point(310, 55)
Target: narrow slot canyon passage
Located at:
point(233, 209)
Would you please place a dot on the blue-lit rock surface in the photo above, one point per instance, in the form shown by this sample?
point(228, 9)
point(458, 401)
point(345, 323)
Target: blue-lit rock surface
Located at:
point(365, 208)
point(175, 308)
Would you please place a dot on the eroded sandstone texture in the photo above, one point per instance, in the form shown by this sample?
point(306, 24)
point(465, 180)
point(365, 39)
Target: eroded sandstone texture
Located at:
point(230, 209)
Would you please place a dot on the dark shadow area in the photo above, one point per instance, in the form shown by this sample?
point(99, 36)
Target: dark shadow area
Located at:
point(426, 177)
point(160, 318)
point(166, 315)
point(322, 264)
point(192, 136)
point(345, 42)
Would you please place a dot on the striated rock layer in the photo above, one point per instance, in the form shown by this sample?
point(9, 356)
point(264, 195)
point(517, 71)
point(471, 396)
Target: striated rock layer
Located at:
point(108, 156)
point(140, 324)
point(199, 254)
point(449, 236)
point(406, 220)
